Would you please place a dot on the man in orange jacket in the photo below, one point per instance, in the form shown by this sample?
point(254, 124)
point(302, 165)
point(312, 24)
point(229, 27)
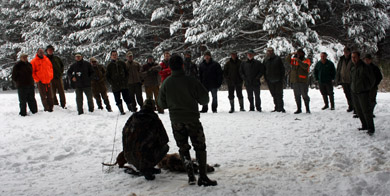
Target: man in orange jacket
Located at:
point(300, 67)
point(43, 74)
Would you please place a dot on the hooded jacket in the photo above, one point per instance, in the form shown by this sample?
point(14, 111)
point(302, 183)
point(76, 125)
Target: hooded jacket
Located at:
point(299, 69)
point(42, 69)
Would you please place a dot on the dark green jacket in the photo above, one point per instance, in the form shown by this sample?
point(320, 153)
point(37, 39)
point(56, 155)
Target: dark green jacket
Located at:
point(324, 73)
point(117, 75)
point(231, 72)
point(362, 77)
point(58, 66)
point(181, 94)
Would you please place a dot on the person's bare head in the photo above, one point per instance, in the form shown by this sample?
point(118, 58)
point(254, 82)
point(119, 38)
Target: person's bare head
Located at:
point(355, 57)
point(40, 52)
point(347, 52)
point(23, 57)
point(167, 55)
point(114, 55)
point(324, 57)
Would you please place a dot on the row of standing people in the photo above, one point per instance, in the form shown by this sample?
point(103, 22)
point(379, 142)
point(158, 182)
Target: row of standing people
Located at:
point(89, 78)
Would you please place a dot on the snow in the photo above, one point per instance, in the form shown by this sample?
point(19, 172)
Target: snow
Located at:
point(322, 153)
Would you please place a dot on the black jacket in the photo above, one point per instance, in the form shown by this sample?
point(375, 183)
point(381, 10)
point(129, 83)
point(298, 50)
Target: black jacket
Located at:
point(251, 72)
point(274, 69)
point(210, 74)
point(377, 73)
point(231, 72)
point(83, 72)
point(22, 74)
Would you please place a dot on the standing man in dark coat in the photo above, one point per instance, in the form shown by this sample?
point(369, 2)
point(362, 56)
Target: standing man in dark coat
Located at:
point(181, 95)
point(362, 81)
point(190, 68)
point(81, 73)
point(274, 75)
point(231, 72)
point(22, 77)
point(151, 78)
point(299, 78)
point(211, 76)
point(56, 82)
point(378, 79)
point(343, 76)
point(135, 85)
point(118, 76)
point(251, 71)
point(98, 84)
point(324, 73)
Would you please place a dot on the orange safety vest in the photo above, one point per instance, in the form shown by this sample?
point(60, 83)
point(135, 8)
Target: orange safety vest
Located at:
point(295, 62)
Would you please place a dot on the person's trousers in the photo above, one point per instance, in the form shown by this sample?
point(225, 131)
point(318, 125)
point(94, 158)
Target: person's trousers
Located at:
point(237, 88)
point(27, 96)
point(362, 107)
point(125, 94)
point(326, 90)
point(348, 94)
point(254, 91)
point(214, 103)
point(136, 94)
point(58, 86)
point(46, 96)
point(301, 90)
point(79, 99)
point(153, 91)
point(192, 130)
point(373, 93)
point(100, 93)
point(276, 90)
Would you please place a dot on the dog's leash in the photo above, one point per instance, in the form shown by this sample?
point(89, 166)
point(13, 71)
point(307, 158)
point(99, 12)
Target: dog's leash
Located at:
point(113, 145)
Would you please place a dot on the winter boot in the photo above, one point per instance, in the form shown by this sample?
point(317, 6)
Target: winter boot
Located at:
point(299, 106)
point(307, 105)
point(326, 106)
point(120, 106)
point(241, 102)
point(188, 166)
point(204, 109)
point(108, 108)
point(331, 97)
point(231, 106)
point(99, 103)
point(130, 107)
point(201, 156)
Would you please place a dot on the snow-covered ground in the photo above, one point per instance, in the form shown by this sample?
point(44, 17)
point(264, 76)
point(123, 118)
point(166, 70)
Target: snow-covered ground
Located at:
point(322, 153)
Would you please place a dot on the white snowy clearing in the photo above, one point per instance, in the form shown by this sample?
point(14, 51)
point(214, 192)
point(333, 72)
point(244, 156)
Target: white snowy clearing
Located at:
point(322, 153)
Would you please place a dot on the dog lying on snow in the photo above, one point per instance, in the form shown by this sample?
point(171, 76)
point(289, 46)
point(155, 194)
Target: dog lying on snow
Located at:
point(171, 162)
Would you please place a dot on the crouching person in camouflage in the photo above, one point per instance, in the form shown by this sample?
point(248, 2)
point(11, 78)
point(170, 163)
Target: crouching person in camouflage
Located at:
point(145, 141)
point(181, 95)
